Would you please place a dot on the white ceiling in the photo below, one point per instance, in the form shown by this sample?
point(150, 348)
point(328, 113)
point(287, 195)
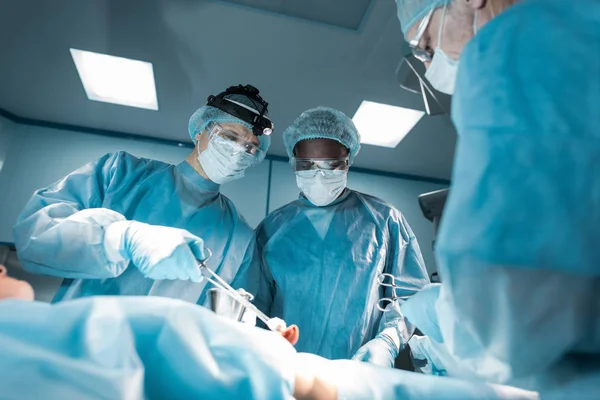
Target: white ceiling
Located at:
point(201, 47)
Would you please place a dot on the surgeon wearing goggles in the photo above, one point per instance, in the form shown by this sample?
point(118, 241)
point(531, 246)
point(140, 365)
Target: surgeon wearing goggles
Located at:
point(123, 225)
point(518, 246)
point(321, 256)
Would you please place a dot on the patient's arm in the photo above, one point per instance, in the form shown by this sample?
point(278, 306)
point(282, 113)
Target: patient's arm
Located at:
point(319, 378)
point(312, 384)
point(310, 387)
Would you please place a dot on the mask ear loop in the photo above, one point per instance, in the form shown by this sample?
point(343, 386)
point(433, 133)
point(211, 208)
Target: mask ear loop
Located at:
point(2, 271)
point(209, 133)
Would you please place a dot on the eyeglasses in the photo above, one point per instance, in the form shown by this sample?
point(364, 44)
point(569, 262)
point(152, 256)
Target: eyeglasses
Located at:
point(423, 55)
point(319, 164)
point(240, 143)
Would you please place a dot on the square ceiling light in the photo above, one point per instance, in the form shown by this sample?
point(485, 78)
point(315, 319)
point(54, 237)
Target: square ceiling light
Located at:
point(116, 80)
point(384, 125)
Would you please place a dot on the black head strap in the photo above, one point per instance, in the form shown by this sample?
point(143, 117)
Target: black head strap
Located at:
point(256, 117)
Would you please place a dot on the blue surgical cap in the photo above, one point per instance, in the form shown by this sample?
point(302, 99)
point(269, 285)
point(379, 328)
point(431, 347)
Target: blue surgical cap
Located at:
point(323, 123)
point(412, 11)
point(206, 114)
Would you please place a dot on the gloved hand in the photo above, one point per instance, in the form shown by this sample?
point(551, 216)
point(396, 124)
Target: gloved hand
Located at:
point(420, 310)
point(159, 252)
point(379, 351)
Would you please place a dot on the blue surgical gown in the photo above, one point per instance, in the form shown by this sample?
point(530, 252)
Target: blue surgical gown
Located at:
point(318, 269)
point(573, 378)
point(61, 230)
point(518, 248)
point(155, 348)
point(137, 348)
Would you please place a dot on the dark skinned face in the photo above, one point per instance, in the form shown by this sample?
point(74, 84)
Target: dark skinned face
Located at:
point(320, 148)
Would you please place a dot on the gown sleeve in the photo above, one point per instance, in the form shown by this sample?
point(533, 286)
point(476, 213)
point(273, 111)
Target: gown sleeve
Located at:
point(61, 230)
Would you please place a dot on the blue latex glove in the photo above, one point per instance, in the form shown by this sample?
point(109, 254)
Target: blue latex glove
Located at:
point(379, 351)
point(159, 252)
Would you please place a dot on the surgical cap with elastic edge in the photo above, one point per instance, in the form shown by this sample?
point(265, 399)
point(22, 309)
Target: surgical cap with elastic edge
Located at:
point(323, 123)
point(412, 11)
point(206, 114)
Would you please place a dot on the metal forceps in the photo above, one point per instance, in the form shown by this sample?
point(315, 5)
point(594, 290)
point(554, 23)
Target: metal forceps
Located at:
point(387, 280)
point(274, 324)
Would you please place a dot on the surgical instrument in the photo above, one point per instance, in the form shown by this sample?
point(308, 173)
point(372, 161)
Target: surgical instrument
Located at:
point(387, 280)
point(274, 324)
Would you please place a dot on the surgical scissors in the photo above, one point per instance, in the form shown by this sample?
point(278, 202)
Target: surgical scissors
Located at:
point(387, 280)
point(274, 324)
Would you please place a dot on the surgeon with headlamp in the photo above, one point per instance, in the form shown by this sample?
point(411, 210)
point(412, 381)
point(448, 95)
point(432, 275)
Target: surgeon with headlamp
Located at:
point(123, 225)
point(321, 255)
point(236, 137)
point(518, 246)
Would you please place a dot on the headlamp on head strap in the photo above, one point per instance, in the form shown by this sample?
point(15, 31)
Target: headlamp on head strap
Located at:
point(255, 116)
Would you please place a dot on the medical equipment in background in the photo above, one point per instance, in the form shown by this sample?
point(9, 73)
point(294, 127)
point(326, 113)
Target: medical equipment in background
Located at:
point(432, 206)
point(387, 280)
point(411, 77)
point(274, 324)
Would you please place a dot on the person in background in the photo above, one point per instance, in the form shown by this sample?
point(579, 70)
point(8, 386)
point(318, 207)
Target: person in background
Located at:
point(321, 256)
point(158, 348)
point(123, 225)
point(518, 247)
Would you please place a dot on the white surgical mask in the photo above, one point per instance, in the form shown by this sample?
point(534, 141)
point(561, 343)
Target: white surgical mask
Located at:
point(224, 161)
point(321, 188)
point(443, 69)
point(442, 72)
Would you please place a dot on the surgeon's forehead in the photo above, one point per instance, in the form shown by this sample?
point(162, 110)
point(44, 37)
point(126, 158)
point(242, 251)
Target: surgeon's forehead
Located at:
point(320, 148)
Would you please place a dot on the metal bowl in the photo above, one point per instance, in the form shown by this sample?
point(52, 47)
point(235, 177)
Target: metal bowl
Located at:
point(225, 305)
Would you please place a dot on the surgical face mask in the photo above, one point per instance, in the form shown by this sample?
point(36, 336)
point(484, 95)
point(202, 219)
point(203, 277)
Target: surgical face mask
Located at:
point(442, 72)
point(443, 69)
point(224, 161)
point(321, 187)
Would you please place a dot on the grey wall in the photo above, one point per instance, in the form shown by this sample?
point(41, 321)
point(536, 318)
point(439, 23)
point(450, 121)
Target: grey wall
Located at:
point(6, 128)
point(32, 157)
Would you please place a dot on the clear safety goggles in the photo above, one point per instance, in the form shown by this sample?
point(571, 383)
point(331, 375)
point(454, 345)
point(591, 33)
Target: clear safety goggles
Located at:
point(325, 166)
point(239, 144)
point(426, 54)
